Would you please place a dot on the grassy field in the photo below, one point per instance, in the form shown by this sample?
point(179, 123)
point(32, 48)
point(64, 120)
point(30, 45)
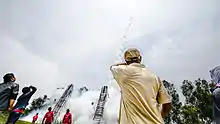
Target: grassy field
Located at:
point(19, 122)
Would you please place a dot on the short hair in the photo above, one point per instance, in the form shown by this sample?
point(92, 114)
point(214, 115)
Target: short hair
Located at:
point(132, 55)
point(7, 77)
point(49, 109)
point(68, 110)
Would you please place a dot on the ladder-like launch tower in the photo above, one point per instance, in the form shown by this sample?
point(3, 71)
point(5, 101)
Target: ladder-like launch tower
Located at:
point(62, 101)
point(98, 116)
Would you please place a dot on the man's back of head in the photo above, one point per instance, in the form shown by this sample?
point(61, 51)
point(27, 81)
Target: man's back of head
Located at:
point(141, 90)
point(49, 109)
point(132, 55)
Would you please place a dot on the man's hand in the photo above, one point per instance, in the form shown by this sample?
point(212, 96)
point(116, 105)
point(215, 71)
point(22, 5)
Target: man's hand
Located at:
point(10, 108)
point(11, 104)
point(32, 87)
point(118, 64)
point(166, 108)
point(121, 64)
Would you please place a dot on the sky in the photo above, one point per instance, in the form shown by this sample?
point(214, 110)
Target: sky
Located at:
point(54, 43)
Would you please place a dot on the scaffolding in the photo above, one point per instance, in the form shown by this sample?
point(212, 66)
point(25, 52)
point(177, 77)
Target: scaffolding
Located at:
point(98, 116)
point(62, 101)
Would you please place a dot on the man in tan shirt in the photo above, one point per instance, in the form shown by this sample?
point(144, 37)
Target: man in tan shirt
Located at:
point(142, 92)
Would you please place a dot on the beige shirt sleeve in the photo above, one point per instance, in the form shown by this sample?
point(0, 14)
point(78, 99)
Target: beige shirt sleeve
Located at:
point(163, 97)
point(118, 72)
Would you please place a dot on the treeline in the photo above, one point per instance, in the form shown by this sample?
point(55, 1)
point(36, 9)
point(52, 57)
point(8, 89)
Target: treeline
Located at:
point(36, 104)
point(196, 107)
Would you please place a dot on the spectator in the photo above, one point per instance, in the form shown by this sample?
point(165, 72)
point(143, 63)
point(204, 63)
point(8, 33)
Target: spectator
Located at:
point(215, 76)
point(67, 119)
point(35, 118)
point(141, 92)
point(8, 94)
point(49, 117)
point(21, 104)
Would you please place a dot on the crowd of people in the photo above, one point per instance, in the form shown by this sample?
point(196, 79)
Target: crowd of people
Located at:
point(142, 95)
point(8, 94)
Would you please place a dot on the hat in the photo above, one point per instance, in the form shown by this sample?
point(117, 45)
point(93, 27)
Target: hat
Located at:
point(132, 54)
point(215, 74)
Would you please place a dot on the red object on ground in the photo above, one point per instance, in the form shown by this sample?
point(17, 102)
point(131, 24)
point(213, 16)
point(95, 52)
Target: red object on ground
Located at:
point(67, 119)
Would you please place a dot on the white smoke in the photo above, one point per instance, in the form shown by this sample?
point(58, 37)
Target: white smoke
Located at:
point(81, 105)
point(81, 108)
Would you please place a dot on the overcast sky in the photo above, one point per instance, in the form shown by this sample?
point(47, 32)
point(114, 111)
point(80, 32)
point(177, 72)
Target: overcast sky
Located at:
point(51, 43)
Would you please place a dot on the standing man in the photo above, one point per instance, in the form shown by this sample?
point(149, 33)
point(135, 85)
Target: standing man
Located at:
point(215, 76)
point(49, 117)
point(8, 94)
point(141, 92)
point(21, 104)
point(35, 118)
point(67, 119)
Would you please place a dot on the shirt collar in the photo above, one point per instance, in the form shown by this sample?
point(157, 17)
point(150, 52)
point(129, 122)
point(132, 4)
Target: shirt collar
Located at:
point(137, 65)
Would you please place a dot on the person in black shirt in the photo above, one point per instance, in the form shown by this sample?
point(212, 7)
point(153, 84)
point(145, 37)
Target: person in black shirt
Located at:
point(215, 76)
point(21, 104)
point(8, 94)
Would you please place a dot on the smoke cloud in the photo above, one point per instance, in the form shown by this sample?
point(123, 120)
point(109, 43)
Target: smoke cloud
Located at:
point(55, 43)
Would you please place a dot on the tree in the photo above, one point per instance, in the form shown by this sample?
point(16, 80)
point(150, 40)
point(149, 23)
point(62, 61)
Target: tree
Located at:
point(198, 102)
point(35, 104)
point(190, 115)
point(175, 114)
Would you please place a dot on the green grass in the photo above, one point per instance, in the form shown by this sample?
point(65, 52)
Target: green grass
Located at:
point(18, 122)
point(23, 122)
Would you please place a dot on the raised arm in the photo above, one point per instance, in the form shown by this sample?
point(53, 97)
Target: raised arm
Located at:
point(119, 72)
point(33, 89)
point(117, 65)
